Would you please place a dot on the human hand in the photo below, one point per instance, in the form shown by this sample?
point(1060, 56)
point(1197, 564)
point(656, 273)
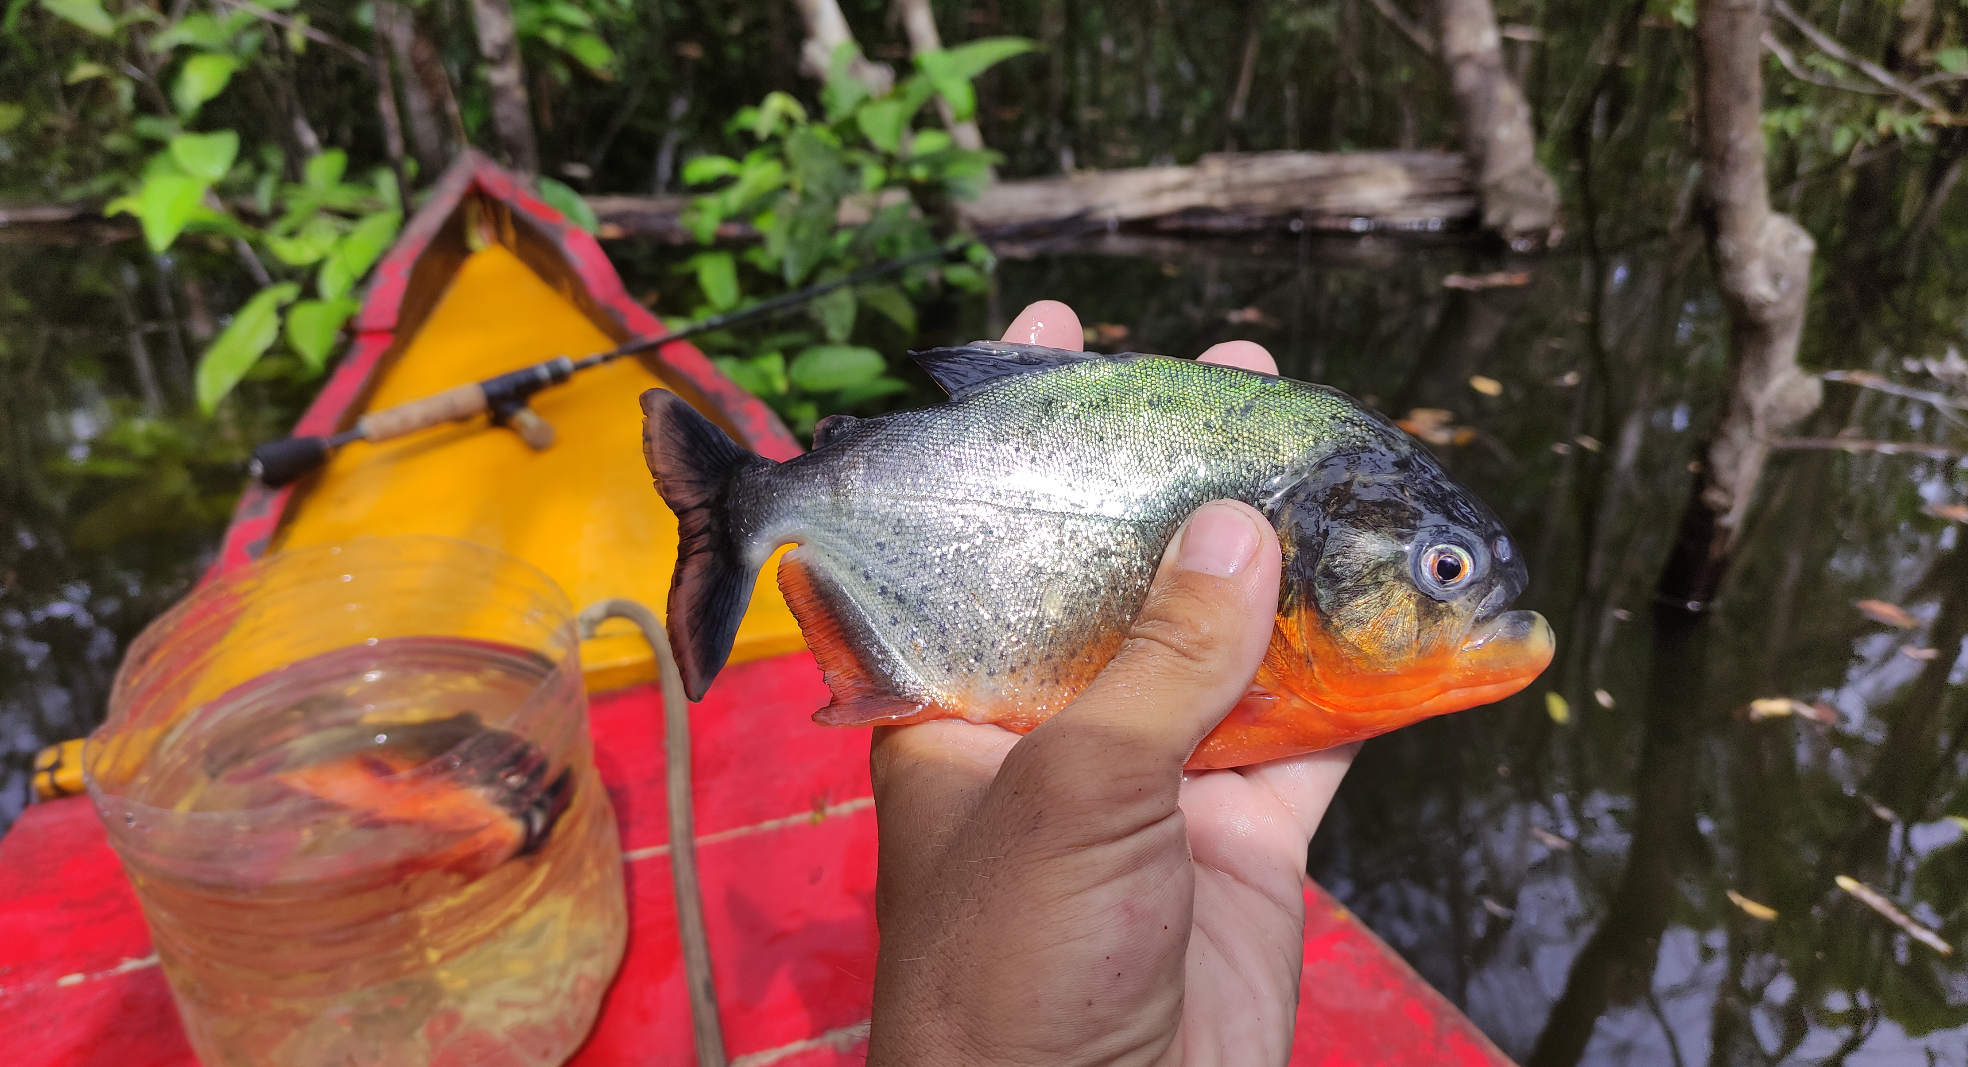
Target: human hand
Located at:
point(1072, 897)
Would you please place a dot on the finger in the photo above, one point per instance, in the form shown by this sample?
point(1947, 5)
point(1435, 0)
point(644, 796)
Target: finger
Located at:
point(1187, 660)
point(1246, 354)
point(1304, 785)
point(929, 779)
point(1049, 323)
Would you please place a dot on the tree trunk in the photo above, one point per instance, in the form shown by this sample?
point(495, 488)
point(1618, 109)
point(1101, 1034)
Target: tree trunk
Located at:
point(1519, 199)
point(1762, 264)
point(920, 23)
point(827, 30)
point(422, 119)
point(512, 117)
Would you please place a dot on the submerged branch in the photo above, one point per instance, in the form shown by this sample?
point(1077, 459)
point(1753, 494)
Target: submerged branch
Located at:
point(1884, 448)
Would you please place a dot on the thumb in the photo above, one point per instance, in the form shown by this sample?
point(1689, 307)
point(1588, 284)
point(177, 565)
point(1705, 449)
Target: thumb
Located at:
point(1188, 659)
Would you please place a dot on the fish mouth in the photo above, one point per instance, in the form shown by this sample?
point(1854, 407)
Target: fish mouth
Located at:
point(1503, 656)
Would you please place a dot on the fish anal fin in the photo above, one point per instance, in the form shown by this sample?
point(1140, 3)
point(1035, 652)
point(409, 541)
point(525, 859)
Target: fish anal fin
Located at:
point(861, 697)
point(967, 368)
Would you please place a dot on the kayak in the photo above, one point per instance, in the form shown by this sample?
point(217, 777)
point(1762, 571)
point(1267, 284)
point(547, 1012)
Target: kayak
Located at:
point(486, 278)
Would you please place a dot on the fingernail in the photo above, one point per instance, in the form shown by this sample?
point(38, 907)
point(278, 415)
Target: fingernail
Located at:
point(1219, 540)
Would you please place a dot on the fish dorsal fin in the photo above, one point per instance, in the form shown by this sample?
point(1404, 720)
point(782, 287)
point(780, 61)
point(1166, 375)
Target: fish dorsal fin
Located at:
point(829, 429)
point(967, 368)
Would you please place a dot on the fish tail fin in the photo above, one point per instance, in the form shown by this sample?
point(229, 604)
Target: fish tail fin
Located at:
point(696, 465)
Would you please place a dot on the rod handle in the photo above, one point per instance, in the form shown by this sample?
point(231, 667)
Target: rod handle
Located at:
point(457, 402)
point(278, 462)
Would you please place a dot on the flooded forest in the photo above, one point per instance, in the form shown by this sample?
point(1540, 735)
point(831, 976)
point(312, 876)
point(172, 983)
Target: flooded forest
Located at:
point(1728, 826)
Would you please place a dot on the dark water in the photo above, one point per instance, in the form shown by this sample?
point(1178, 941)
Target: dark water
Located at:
point(1566, 883)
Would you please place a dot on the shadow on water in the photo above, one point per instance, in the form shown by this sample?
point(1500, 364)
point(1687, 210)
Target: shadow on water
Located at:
point(1563, 877)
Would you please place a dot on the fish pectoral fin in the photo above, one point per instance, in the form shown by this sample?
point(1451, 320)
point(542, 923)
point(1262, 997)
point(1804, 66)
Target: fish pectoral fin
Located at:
point(861, 696)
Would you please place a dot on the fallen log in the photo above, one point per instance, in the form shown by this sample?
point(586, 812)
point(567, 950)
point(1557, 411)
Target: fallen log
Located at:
point(1231, 193)
point(1249, 192)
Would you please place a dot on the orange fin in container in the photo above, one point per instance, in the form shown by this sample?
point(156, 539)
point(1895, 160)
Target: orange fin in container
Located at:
point(452, 778)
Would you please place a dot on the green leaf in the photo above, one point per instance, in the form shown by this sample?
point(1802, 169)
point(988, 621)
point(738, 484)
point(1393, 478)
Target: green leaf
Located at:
point(200, 30)
point(966, 277)
point(776, 109)
point(930, 142)
point(84, 71)
point(164, 204)
point(10, 116)
point(762, 375)
point(569, 203)
point(1683, 13)
point(962, 98)
point(241, 344)
point(203, 77)
point(968, 60)
point(882, 122)
point(1842, 139)
point(593, 53)
point(311, 245)
point(705, 169)
point(717, 276)
point(856, 395)
point(835, 313)
point(88, 14)
point(313, 327)
point(893, 304)
point(843, 92)
point(1952, 60)
point(826, 368)
point(324, 171)
point(205, 155)
point(356, 253)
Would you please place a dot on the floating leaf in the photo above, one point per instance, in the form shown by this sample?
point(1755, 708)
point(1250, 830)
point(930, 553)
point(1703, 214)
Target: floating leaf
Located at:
point(1604, 699)
point(1950, 512)
point(1486, 386)
point(313, 327)
point(1551, 840)
point(241, 344)
point(1922, 654)
point(1877, 901)
point(1889, 614)
point(1752, 908)
point(1556, 707)
point(203, 77)
point(826, 368)
point(88, 14)
point(205, 155)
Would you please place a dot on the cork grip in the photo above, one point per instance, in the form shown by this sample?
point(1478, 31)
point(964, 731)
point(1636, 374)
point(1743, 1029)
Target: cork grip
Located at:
point(458, 402)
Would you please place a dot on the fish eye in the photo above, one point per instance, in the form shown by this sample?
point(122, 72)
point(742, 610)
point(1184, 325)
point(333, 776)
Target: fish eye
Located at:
point(1447, 567)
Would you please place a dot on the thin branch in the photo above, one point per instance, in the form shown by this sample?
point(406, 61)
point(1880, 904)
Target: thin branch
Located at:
point(1884, 448)
point(1789, 61)
point(1868, 380)
point(302, 28)
point(1415, 32)
point(1826, 44)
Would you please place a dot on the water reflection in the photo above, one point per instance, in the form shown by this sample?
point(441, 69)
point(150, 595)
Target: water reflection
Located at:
point(1566, 883)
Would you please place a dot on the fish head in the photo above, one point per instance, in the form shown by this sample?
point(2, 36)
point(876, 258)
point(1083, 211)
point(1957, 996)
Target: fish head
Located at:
point(1396, 591)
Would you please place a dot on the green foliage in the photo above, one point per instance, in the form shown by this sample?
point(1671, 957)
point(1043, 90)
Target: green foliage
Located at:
point(88, 14)
point(568, 203)
point(866, 155)
point(242, 343)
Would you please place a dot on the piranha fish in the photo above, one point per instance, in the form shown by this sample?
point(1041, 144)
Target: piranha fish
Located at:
point(483, 791)
point(983, 559)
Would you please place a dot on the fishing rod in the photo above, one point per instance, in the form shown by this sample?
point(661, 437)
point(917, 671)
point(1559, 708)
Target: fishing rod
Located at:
point(277, 463)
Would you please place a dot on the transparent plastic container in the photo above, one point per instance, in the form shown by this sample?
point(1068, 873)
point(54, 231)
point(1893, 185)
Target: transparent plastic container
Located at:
point(354, 788)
